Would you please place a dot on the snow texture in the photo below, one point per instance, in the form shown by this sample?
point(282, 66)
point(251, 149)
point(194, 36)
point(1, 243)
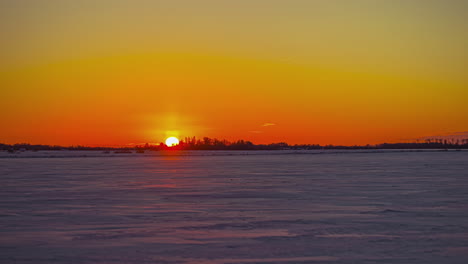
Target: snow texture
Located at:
point(234, 207)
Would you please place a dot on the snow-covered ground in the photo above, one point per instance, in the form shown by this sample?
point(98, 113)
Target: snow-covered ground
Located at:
point(234, 207)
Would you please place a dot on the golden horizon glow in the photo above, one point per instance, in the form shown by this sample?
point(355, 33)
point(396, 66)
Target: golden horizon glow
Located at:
point(172, 141)
point(113, 72)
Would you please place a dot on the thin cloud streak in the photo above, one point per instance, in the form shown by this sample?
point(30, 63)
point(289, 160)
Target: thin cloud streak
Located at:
point(268, 124)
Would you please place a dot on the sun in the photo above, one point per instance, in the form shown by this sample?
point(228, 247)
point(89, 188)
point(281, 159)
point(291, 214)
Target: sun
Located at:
point(172, 141)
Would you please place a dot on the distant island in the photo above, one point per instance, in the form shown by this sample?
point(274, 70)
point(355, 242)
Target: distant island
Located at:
point(215, 144)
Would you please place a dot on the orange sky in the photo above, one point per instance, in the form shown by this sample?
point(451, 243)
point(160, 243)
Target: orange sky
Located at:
point(319, 72)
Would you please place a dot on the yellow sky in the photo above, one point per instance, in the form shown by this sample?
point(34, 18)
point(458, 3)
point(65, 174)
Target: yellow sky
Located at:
point(328, 72)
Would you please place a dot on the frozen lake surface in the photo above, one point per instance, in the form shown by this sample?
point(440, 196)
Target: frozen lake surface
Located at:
point(234, 207)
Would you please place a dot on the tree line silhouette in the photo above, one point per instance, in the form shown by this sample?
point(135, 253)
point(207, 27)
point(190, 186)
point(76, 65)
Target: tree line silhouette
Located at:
point(206, 143)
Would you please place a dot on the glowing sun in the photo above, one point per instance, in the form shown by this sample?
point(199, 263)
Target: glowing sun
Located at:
point(172, 141)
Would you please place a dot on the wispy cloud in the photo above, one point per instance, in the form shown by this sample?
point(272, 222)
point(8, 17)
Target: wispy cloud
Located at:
point(449, 135)
point(269, 124)
point(463, 133)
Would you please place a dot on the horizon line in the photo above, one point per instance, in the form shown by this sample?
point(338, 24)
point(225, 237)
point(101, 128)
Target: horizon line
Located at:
point(227, 143)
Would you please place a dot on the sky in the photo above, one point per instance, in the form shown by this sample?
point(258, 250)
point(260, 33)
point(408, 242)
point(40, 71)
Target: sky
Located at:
point(113, 72)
